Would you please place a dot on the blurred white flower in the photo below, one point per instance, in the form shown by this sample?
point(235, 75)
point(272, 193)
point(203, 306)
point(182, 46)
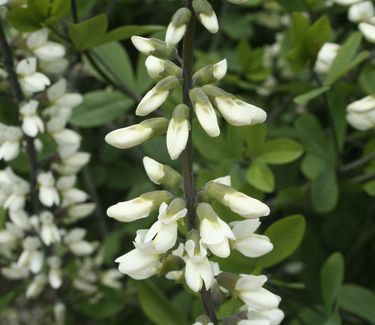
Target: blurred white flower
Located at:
point(31, 122)
point(361, 113)
point(368, 30)
point(48, 194)
point(36, 286)
point(55, 273)
point(10, 142)
point(45, 50)
point(31, 257)
point(30, 80)
point(69, 194)
point(13, 190)
point(15, 272)
point(111, 278)
point(361, 11)
point(326, 56)
point(76, 244)
point(48, 231)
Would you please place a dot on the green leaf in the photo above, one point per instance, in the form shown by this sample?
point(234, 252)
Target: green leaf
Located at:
point(358, 300)
point(331, 278)
point(260, 176)
point(156, 305)
point(367, 79)
point(23, 20)
point(346, 58)
point(306, 97)
point(280, 151)
point(100, 107)
point(313, 138)
point(89, 32)
point(125, 32)
point(369, 188)
point(324, 191)
point(312, 166)
point(114, 60)
point(285, 235)
point(255, 138)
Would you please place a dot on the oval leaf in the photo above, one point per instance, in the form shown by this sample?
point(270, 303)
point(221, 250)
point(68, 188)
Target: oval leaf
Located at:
point(281, 151)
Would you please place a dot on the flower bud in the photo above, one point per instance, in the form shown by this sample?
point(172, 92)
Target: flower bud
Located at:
point(234, 111)
point(154, 46)
point(134, 135)
point(138, 208)
point(326, 56)
point(178, 131)
point(177, 27)
point(368, 30)
point(238, 202)
point(157, 96)
point(205, 112)
point(361, 11)
point(161, 174)
point(361, 113)
point(159, 68)
point(210, 73)
point(206, 15)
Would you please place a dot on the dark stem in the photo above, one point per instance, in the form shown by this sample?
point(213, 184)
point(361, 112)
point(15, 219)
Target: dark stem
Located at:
point(187, 155)
point(18, 95)
point(358, 163)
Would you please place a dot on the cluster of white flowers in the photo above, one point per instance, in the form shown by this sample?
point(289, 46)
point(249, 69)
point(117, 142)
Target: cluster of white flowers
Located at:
point(160, 250)
point(38, 242)
point(362, 13)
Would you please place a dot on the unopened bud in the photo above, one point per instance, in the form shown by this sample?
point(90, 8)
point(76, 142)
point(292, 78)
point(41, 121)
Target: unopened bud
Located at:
point(136, 134)
point(210, 73)
point(159, 68)
point(177, 27)
point(161, 174)
point(206, 15)
point(178, 131)
point(154, 46)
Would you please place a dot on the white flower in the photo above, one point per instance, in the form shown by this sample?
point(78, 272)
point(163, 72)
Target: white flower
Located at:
point(143, 261)
point(71, 163)
point(75, 243)
point(249, 289)
point(134, 135)
point(205, 112)
point(138, 208)
point(111, 278)
point(70, 195)
point(31, 81)
point(361, 113)
point(3, 2)
point(198, 269)
point(225, 180)
point(31, 122)
point(59, 312)
point(155, 66)
point(15, 272)
point(206, 15)
point(156, 96)
point(272, 316)
point(45, 50)
point(177, 27)
point(214, 232)
point(248, 243)
point(66, 139)
point(49, 232)
point(37, 286)
point(154, 170)
point(220, 69)
point(178, 131)
point(143, 45)
point(57, 66)
point(347, 2)
point(326, 56)
point(10, 142)
point(48, 194)
point(13, 190)
point(58, 96)
point(54, 273)
point(163, 233)
point(31, 257)
point(368, 30)
point(361, 11)
point(79, 211)
point(11, 235)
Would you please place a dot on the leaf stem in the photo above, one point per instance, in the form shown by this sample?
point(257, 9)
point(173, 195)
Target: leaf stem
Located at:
point(18, 95)
point(187, 155)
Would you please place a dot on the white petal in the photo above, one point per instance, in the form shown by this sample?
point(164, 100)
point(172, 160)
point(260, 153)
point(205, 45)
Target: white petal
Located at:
point(177, 137)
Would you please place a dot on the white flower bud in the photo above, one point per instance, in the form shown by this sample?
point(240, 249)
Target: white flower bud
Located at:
point(205, 112)
point(136, 134)
point(48, 195)
point(361, 11)
point(138, 208)
point(361, 113)
point(368, 30)
point(143, 44)
point(36, 286)
point(159, 68)
point(238, 202)
point(178, 131)
point(38, 43)
point(76, 244)
point(153, 46)
point(30, 80)
point(157, 96)
point(10, 142)
point(326, 56)
point(206, 15)
point(154, 170)
point(210, 73)
point(177, 27)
